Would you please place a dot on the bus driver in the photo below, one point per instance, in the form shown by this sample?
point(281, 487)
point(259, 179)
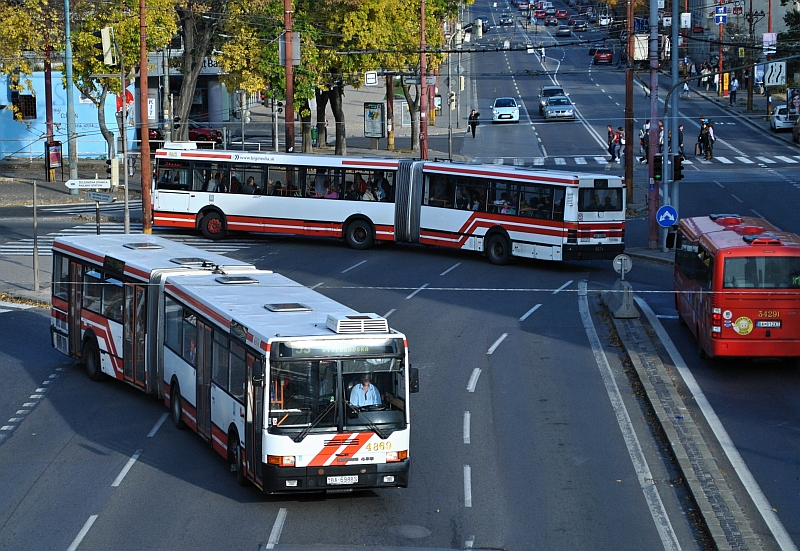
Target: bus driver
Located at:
point(365, 394)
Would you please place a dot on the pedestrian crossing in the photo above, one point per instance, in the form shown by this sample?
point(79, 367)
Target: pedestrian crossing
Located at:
point(587, 162)
point(74, 209)
point(44, 244)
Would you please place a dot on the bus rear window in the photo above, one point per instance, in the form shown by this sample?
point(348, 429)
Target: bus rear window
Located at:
point(594, 199)
point(762, 272)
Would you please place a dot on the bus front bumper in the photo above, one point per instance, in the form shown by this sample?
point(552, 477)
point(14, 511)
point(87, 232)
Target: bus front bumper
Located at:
point(355, 477)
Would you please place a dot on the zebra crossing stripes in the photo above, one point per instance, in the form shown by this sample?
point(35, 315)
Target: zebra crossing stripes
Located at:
point(24, 247)
point(82, 208)
point(744, 160)
point(580, 160)
point(724, 160)
point(785, 159)
point(560, 161)
point(601, 160)
point(766, 160)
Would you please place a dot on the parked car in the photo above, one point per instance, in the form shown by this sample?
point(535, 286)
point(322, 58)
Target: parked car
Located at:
point(563, 30)
point(202, 132)
point(546, 93)
point(603, 55)
point(779, 119)
point(505, 110)
point(559, 107)
point(550, 11)
point(155, 134)
point(580, 26)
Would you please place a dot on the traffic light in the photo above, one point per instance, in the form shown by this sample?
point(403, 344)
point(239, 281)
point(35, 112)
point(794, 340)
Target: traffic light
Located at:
point(246, 116)
point(105, 46)
point(677, 167)
point(279, 108)
point(176, 122)
point(112, 170)
point(451, 98)
point(658, 167)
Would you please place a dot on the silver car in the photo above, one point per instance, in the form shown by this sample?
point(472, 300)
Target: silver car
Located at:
point(505, 110)
point(559, 107)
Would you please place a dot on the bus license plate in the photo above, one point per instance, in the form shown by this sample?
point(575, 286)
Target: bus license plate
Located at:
point(599, 236)
point(769, 324)
point(336, 480)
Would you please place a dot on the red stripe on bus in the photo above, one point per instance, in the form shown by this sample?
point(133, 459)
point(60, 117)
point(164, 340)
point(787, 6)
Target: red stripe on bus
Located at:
point(199, 306)
point(82, 253)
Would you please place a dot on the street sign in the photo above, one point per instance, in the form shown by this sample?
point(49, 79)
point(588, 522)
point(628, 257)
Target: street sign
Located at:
point(775, 73)
point(430, 80)
point(88, 184)
point(720, 15)
point(622, 263)
point(100, 197)
point(667, 216)
point(371, 78)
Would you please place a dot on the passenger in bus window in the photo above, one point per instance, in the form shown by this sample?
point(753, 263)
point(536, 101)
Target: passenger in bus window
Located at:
point(368, 195)
point(360, 184)
point(319, 182)
point(249, 187)
point(352, 192)
point(331, 192)
point(462, 201)
point(292, 191)
point(234, 183)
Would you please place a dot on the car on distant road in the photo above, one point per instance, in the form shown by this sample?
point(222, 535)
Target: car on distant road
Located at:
point(779, 119)
point(572, 19)
point(605, 19)
point(550, 11)
point(506, 19)
point(546, 93)
point(559, 107)
point(505, 110)
point(563, 30)
point(539, 14)
point(202, 132)
point(523, 5)
point(603, 55)
point(580, 26)
point(562, 14)
point(551, 21)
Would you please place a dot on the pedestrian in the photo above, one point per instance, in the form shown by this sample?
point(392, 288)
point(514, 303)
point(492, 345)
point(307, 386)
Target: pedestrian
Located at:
point(685, 90)
point(473, 121)
point(660, 136)
point(644, 141)
point(544, 57)
point(680, 140)
point(619, 144)
point(734, 86)
point(610, 141)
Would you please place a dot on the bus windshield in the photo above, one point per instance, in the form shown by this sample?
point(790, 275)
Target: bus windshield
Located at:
point(762, 272)
point(332, 395)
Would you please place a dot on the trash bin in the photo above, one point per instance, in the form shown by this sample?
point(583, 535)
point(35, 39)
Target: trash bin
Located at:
point(314, 135)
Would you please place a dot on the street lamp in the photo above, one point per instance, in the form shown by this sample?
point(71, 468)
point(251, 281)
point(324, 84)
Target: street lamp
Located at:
point(450, 94)
point(752, 19)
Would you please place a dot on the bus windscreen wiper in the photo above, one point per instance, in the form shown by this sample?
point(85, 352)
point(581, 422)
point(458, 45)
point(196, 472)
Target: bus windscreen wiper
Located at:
point(304, 433)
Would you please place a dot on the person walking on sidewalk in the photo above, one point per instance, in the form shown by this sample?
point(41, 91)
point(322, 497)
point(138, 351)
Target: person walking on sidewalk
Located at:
point(733, 87)
point(473, 121)
point(644, 141)
point(680, 140)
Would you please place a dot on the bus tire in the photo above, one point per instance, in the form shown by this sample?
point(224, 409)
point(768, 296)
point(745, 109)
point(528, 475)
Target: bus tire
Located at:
point(497, 249)
point(213, 226)
point(91, 360)
point(701, 353)
point(176, 406)
point(235, 459)
point(359, 235)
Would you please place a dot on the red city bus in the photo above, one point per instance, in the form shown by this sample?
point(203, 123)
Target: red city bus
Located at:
point(737, 286)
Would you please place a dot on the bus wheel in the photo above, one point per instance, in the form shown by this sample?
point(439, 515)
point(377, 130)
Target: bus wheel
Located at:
point(176, 406)
point(235, 459)
point(91, 359)
point(700, 351)
point(359, 235)
point(497, 249)
point(213, 226)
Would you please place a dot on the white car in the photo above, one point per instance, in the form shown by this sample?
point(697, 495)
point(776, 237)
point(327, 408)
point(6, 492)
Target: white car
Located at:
point(780, 119)
point(505, 110)
point(605, 20)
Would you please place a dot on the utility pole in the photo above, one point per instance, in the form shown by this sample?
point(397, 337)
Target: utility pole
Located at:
point(652, 185)
point(423, 79)
point(390, 111)
point(144, 97)
point(630, 156)
point(71, 136)
point(288, 115)
point(165, 101)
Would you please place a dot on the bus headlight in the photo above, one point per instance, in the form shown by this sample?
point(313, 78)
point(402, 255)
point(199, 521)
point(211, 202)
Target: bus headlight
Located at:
point(393, 457)
point(281, 460)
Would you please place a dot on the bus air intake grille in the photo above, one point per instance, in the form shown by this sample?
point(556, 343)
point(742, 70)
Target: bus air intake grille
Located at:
point(763, 239)
point(357, 323)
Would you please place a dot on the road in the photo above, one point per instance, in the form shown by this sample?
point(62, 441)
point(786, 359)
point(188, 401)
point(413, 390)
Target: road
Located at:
point(516, 440)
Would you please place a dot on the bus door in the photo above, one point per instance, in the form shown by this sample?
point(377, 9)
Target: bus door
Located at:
point(204, 362)
point(135, 331)
point(254, 417)
point(75, 302)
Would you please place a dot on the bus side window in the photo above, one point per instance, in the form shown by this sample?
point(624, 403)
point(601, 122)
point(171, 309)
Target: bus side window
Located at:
point(92, 291)
point(238, 374)
point(221, 369)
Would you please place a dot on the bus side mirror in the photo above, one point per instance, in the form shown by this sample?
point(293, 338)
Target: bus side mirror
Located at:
point(413, 380)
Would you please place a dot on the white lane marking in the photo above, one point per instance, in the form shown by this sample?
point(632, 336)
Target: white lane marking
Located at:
point(650, 491)
point(601, 160)
point(473, 379)
point(353, 267)
point(529, 312)
point(125, 469)
point(470, 542)
point(785, 159)
point(739, 466)
point(317, 285)
point(724, 160)
point(451, 268)
point(417, 291)
point(766, 160)
point(82, 534)
point(157, 426)
point(390, 312)
point(580, 160)
point(497, 343)
point(756, 213)
point(744, 160)
point(466, 427)
point(560, 161)
point(467, 486)
point(732, 195)
point(719, 184)
point(567, 284)
point(16, 306)
point(277, 528)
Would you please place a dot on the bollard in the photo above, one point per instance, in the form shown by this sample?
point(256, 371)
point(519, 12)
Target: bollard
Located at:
point(619, 300)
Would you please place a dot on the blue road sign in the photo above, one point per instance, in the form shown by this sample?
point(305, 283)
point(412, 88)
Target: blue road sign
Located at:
point(667, 216)
point(720, 15)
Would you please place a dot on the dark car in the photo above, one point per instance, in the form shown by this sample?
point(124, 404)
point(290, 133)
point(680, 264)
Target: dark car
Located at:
point(200, 132)
point(506, 19)
point(603, 55)
point(572, 19)
point(156, 134)
point(551, 21)
point(580, 25)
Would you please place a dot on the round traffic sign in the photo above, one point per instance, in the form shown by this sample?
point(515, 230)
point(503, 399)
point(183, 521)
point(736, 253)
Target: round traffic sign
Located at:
point(622, 263)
